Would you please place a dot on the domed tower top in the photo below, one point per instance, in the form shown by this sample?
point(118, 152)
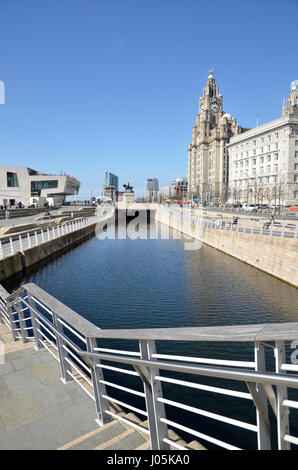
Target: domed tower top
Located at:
point(292, 101)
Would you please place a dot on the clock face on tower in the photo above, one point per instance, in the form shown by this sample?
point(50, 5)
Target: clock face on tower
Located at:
point(202, 108)
point(214, 107)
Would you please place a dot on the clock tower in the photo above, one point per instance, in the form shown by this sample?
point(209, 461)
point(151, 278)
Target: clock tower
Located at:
point(207, 152)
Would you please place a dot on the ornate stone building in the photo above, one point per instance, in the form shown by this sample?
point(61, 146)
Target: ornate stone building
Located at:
point(208, 166)
point(263, 162)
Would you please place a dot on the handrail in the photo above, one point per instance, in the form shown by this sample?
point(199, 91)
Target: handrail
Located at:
point(40, 227)
point(237, 333)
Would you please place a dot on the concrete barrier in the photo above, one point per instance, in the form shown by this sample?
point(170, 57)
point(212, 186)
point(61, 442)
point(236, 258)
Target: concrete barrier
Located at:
point(274, 255)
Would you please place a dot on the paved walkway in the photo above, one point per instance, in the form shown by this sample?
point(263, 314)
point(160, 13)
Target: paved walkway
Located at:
point(37, 411)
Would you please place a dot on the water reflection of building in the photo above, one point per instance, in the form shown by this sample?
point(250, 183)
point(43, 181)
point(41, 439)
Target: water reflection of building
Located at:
point(241, 293)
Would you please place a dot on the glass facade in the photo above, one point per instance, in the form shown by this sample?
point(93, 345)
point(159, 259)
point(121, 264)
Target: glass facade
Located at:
point(37, 186)
point(111, 180)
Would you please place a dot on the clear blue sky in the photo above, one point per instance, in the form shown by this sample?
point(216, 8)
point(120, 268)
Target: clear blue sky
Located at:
point(96, 85)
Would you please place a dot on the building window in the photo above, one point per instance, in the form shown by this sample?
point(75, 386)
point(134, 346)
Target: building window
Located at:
point(296, 179)
point(262, 159)
point(296, 154)
point(269, 158)
point(268, 148)
point(276, 135)
point(296, 166)
point(296, 142)
point(37, 186)
point(276, 156)
point(268, 169)
point(262, 140)
point(261, 170)
point(276, 145)
point(269, 138)
point(254, 161)
point(12, 180)
point(276, 167)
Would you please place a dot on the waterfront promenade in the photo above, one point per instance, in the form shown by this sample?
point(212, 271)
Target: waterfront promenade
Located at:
point(30, 314)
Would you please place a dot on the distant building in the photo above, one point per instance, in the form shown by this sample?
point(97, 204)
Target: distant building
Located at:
point(263, 162)
point(151, 189)
point(111, 180)
point(166, 192)
point(110, 192)
point(179, 187)
point(22, 185)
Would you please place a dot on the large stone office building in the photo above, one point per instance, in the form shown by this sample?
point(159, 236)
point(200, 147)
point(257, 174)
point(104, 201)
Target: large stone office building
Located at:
point(207, 153)
point(263, 162)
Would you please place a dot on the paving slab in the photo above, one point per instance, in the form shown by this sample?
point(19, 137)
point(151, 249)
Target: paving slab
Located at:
point(6, 368)
point(26, 361)
point(38, 411)
point(18, 410)
point(4, 391)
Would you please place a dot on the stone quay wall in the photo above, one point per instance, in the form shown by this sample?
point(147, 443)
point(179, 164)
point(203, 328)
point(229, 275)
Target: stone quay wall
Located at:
point(274, 255)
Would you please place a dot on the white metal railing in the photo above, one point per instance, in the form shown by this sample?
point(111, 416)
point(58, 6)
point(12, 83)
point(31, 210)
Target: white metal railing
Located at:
point(11, 244)
point(145, 377)
point(282, 228)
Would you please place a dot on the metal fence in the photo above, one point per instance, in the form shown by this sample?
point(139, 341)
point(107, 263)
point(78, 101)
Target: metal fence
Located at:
point(148, 381)
point(13, 243)
point(258, 226)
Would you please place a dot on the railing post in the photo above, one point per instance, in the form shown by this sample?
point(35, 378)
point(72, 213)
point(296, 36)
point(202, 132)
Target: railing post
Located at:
point(101, 404)
point(64, 365)
point(264, 440)
point(155, 409)
point(11, 245)
point(8, 310)
point(35, 324)
point(1, 249)
point(281, 395)
point(21, 318)
point(29, 240)
point(21, 242)
point(36, 238)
